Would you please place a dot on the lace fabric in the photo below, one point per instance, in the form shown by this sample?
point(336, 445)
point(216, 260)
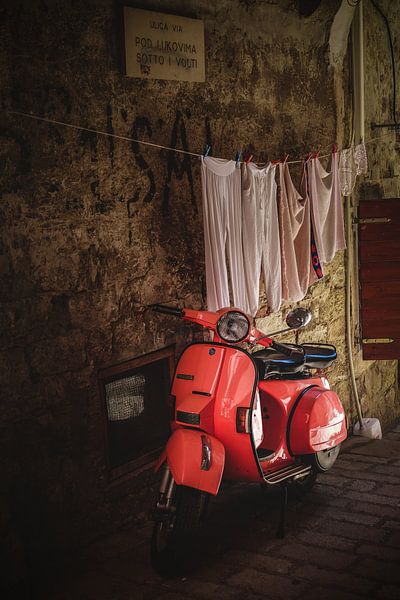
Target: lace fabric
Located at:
point(352, 162)
point(360, 159)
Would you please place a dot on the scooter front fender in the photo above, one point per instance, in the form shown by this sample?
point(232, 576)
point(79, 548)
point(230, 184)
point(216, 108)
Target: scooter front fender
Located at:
point(195, 459)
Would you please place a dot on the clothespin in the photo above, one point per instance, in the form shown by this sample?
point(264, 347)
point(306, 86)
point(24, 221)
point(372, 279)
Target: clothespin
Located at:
point(248, 159)
point(280, 160)
point(238, 155)
point(316, 154)
point(334, 149)
point(207, 150)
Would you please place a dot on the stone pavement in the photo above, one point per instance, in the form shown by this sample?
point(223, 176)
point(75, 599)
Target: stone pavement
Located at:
point(342, 542)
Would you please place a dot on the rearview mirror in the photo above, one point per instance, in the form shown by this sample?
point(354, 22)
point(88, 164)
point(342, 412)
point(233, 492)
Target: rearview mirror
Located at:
point(299, 317)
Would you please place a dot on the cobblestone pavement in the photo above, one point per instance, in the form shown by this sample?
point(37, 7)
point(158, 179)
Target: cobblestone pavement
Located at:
point(342, 542)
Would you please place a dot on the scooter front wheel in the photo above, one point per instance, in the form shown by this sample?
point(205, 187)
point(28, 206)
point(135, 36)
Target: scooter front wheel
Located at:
point(171, 535)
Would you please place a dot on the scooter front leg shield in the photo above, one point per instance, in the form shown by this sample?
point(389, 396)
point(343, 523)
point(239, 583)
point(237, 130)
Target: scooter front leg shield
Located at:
point(196, 459)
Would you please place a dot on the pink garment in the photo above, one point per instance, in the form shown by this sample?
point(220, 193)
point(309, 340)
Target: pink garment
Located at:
point(326, 208)
point(295, 226)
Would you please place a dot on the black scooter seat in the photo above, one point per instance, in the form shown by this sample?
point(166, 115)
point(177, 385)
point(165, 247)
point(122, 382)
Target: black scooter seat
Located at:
point(271, 361)
point(316, 356)
point(319, 356)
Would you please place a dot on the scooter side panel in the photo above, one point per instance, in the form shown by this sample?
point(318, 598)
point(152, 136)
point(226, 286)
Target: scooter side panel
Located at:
point(236, 390)
point(277, 400)
point(318, 422)
point(184, 452)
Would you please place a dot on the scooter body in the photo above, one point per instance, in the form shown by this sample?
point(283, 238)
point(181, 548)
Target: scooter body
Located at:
point(216, 391)
point(248, 417)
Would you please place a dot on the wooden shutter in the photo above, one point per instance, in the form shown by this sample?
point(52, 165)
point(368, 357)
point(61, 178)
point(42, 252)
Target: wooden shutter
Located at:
point(379, 258)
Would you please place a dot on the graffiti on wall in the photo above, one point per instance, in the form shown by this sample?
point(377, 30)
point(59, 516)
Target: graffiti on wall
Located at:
point(141, 128)
point(177, 165)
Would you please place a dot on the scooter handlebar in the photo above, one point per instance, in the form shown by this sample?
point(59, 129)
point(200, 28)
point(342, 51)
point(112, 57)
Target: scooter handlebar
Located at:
point(167, 310)
point(297, 353)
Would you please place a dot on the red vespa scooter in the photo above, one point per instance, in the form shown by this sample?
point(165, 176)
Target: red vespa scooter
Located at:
point(259, 417)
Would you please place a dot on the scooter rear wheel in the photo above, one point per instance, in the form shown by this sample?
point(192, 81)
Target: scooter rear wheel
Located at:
point(324, 460)
point(171, 536)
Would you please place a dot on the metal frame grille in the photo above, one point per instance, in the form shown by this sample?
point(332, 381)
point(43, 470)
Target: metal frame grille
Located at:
point(125, 397)
point(136, 419)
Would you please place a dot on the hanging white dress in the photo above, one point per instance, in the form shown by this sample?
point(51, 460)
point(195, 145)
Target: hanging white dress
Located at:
point(261, 243)
point(222, 217)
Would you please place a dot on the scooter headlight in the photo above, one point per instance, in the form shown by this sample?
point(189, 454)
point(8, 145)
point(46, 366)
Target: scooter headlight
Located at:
point(233, 326)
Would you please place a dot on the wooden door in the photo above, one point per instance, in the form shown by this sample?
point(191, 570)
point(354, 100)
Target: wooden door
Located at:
point(379, 265)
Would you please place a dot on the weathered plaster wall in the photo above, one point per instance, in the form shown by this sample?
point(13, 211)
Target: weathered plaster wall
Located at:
point(95, 229)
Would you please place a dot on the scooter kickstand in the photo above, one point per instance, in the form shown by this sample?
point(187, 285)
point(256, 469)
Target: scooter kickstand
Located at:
point(281, 527)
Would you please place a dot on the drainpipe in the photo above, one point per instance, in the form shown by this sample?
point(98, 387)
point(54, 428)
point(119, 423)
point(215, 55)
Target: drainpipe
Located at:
point(349, 336)
point(358, 74)
point(352, 240)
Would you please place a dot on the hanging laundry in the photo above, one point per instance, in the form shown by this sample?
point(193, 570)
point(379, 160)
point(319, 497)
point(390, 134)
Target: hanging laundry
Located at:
point(222, 216)
point(261, 240)
point(295, 234)
point(326, 208)
point(316, 264)
point(352, 162)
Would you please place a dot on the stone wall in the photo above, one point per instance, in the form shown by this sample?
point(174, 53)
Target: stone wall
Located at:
point(95, 229)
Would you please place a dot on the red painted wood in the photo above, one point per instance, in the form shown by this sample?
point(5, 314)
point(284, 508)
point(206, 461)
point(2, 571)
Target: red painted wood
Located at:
point(389, 207)
point(379, 258)
point(379, 231)
point(380, 271)
point(381, 351)
point(380, 250)
point(375, 291)
point(375, 326)
point(377, 306)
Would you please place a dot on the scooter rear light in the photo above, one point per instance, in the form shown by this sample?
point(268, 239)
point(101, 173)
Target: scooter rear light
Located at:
point(242, 420)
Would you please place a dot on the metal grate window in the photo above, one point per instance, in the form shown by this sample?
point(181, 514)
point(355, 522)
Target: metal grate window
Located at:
point(135, 395)
point(125, 397)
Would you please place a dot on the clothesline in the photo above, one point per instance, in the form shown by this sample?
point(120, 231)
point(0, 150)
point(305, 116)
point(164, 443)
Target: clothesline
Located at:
point(129, 139)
